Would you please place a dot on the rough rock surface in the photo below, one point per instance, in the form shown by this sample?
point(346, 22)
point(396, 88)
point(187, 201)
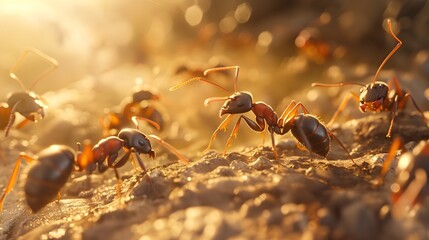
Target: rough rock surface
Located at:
point(247, 195)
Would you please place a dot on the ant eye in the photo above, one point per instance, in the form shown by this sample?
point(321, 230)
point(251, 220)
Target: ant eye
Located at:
point(240, 104)
point(141, 142)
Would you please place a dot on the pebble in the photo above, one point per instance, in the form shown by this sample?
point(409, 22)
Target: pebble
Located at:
point(261, 163)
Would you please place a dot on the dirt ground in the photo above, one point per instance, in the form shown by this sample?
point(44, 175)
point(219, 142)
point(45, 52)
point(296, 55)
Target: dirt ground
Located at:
point(243, 195)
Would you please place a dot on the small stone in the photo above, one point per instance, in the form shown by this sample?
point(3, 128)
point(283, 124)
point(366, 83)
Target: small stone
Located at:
point(261, 163)
point(239, 166)
point(224, 171)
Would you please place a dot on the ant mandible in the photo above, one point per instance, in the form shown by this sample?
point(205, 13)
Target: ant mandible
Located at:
point(378, 96)
point(27, 103)
point(112, 122)
point(411, 184)
point(55, 164)
point(306, 128)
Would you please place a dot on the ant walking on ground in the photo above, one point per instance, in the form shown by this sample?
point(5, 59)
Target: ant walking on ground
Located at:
point(411, 185)
point(27, 103)
point(378, 96)
point(56, 163)
point(113, 122)
point(306, 128)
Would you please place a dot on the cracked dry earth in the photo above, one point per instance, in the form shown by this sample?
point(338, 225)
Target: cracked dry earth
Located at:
point(243, 195)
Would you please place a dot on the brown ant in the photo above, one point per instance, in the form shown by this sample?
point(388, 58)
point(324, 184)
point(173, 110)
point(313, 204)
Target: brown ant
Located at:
point(27, 103)
point(411, 184)
point(113, 122)
point(378, 96)
point(306, 128)
point(195, 71)
point(55, 165)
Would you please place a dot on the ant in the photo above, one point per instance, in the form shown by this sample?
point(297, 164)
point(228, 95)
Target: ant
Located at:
point(112, 122)
point(195, 71)
point(411, 184)
point(378, 96)
point(56, 163)
point(27, 103)
point(306, 128)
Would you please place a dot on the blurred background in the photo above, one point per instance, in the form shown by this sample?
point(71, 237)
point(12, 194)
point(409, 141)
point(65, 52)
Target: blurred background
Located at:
point(108, 49)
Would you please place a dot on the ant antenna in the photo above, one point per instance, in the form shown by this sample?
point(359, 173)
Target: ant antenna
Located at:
point(196, 79)
point(214, 99)
point(336, 84)
point(389, 24)
point(153, 123)
point(52, 61)
point(216, 69)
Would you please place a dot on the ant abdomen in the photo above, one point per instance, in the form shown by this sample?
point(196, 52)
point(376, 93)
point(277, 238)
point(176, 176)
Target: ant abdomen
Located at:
point(307, 127)
point(48, 176)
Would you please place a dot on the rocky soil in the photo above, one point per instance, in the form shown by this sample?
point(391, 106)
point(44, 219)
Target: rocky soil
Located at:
point(243, 195)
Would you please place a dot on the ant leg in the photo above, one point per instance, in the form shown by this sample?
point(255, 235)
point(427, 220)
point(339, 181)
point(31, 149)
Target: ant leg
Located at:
point(342, 146)
point(140, 161)
point(11, 119)
point(22, 124)
point(395, 108)
point(263, 138)
point(410, 194)
point(286, 112)
point(253, 125)
point(5, 112)
point(394, 81)
point(111, 161)
point(222, 127)
point(396, 144)
point(217, 69)
point(287, 125)
point(170, 148)
point(343, 105)
point(12, 180)
point(119, 184)
point(408, 95)
point(58, 197)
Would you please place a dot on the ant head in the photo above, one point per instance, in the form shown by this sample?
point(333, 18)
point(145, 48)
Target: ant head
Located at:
point(133, 138)
point(372, 96)
point(239, 102)
point(144, 94)
point(28, 104)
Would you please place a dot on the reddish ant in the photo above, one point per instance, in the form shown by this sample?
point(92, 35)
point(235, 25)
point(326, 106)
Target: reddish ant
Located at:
point(306, 128)
point(112, 122)
point(378, 96)
point(27, 103)
point(49, 175)
point(411, 184)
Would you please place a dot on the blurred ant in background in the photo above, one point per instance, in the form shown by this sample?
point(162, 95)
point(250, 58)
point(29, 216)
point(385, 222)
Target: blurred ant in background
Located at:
point(27, 103)
point(378, 96)
point(306, 128)
point(55, 164)
point(411, 185)
point(140, 106)
point(195, 71)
